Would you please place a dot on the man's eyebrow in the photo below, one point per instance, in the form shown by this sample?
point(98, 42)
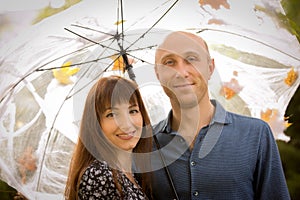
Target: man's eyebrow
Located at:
point(170, 55)
point(167, 56)
point(191, 52)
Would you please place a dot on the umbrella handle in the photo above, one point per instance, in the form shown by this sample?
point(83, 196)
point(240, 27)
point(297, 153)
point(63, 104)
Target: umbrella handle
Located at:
point(166, 168)
point(128, 67)
point(130, 72)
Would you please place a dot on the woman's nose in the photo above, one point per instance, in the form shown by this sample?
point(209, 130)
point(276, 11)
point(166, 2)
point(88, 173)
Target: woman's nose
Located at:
point(124, 122)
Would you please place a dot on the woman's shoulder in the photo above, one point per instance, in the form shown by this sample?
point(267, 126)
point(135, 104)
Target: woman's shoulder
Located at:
point(98, 168)
point(99, 163)
point(97, 181)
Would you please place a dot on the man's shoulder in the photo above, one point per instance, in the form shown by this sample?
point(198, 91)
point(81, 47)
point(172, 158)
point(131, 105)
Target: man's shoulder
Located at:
point(239, 118)
point(234, 118)
point(227, 117)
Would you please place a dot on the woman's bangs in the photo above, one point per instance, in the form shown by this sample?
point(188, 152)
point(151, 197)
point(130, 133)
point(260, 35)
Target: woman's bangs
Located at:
point(115, 92)
point(123, 93)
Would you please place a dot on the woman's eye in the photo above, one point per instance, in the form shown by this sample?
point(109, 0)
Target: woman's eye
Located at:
point(134, 111)
point(110, 115)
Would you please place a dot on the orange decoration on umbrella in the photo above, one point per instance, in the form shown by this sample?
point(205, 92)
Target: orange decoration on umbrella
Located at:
point(231, 88)
point(267, 115)
point(119, 64)
point(216, 4)
point(216, 21)
point(292, 76)
point(27, 163)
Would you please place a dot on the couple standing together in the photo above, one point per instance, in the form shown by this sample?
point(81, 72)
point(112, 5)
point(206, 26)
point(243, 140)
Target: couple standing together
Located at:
point(200, 151)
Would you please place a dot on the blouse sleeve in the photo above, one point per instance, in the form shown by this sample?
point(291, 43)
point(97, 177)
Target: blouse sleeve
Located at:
point(97, 183)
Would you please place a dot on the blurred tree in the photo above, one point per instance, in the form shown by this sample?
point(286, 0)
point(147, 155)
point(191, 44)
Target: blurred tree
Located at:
point(6, 192)
point(291, 8)
point(290, 151)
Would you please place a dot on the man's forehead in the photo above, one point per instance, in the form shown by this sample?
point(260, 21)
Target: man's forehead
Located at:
point(179, 43)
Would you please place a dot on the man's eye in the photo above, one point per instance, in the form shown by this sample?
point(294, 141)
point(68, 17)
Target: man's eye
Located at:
point(191, 59)
point(169, 62)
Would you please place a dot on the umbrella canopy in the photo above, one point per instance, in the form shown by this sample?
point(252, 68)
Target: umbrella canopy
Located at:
point(47, 71)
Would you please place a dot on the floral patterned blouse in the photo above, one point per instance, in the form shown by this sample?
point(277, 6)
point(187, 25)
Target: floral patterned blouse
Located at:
point(97, 183)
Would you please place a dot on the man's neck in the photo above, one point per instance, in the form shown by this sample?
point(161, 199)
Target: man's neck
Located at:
point(189, 121)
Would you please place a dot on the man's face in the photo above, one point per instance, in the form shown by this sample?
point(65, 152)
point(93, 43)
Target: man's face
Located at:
point(183, 68)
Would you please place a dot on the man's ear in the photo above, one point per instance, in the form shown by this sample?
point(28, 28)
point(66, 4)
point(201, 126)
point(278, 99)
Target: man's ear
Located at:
point(211, 67)
point(156, 71)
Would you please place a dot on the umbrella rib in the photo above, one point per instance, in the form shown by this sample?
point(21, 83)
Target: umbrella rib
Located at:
point(38, 69)
point(78, 50)
point(96, 77)
point(15, 85)
point(145, 16)
point(100, 44)
point(142, 48)
point(92, 29)
point(47, 142)
point(165, 167)
point(142, 60)
point(68, 96)
point(72, 65)
point(77, 91)
point(249, 38)
point(122, 24)
point(153, 24)
point(117, 23)
point(81, 36)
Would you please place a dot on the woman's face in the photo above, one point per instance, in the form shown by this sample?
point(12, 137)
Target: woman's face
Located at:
point(122, 125)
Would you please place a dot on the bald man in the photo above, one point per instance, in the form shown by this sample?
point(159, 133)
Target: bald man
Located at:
point(209, 153)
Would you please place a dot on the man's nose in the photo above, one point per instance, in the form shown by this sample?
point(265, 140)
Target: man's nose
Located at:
point(182, 68)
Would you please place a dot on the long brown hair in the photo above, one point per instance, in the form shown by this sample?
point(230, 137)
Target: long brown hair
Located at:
point(92, 143)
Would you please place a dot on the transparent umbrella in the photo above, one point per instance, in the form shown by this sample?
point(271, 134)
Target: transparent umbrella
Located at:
point(47, 71)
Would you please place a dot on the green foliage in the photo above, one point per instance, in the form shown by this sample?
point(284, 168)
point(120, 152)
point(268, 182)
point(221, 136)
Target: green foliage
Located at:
point(292, 114)
point(6, 192)
point(290, 158)
point(289, 152)
point(290, 20)
point(291, 8)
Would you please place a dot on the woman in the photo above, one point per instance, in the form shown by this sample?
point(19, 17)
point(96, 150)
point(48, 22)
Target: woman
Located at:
point(114, 139)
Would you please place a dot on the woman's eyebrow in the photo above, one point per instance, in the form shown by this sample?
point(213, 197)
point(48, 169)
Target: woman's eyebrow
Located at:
point(133, 105)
